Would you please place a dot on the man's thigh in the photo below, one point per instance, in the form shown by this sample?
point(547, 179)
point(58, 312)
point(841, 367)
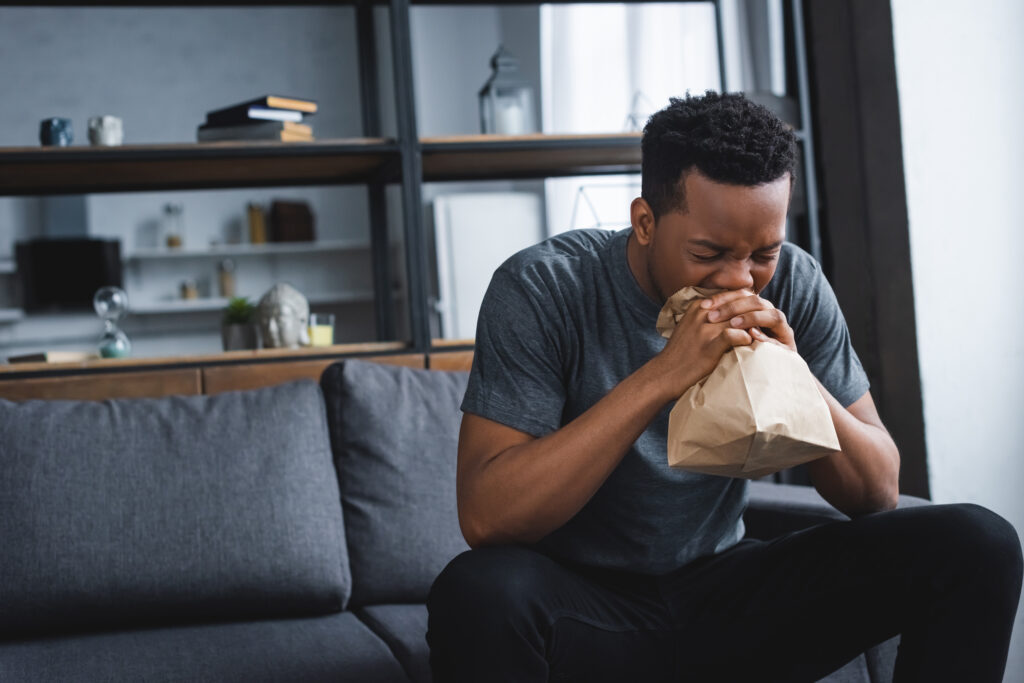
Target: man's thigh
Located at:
point(510, 613)
point(798, 607)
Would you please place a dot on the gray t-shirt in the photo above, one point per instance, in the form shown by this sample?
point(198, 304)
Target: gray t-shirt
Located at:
point(562, 323)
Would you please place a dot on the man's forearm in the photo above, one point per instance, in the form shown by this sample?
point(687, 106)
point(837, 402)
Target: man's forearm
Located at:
point(864, 476)
point(528, 490)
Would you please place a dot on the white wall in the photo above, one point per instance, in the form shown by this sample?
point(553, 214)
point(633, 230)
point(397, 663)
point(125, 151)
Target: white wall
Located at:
point(960, 70)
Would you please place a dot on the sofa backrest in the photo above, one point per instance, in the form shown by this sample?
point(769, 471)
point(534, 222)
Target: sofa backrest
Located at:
point(147, 511)
point(394, 432)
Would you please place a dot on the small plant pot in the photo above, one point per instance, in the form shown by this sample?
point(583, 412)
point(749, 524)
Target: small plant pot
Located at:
point(239, 337)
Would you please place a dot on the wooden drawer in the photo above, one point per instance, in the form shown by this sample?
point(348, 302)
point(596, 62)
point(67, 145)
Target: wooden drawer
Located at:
point(99, 386)
point(451, 360)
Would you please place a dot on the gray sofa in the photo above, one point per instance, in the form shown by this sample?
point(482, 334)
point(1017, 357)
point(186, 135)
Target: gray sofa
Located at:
point(282, 534)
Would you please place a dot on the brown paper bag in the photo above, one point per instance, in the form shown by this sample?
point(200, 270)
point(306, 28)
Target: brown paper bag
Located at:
point(759, 411)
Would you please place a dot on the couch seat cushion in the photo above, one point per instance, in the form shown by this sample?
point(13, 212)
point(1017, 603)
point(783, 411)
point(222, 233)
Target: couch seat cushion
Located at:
point(404, 629)
point(394, 432)
point(155, 511)
point(336, 647)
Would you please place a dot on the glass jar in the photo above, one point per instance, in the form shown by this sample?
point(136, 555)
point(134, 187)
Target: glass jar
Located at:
point(506, 101)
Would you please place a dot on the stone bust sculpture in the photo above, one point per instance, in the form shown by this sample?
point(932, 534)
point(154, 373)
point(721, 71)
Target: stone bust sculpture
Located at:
point(283, 317)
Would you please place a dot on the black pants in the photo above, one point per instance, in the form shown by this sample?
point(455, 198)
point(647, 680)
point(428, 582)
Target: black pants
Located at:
point(946, 578)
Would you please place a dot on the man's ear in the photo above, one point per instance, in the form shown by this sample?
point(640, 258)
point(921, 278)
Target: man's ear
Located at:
point(642, 218)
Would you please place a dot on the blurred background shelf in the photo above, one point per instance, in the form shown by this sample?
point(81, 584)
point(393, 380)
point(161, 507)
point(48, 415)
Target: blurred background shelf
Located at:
point(237, 250)
point(10, 315)
point(82, 169)
point(488, 157)
point(218, 303)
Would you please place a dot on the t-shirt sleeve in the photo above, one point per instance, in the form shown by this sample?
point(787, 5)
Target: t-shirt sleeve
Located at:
point(516, 378)
point(822, 337)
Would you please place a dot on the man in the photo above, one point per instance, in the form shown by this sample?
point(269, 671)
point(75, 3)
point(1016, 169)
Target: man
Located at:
point(592, 560)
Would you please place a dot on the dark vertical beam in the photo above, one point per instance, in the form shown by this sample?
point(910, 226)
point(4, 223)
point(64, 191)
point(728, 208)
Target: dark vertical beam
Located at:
point(853, 85)
point(807, 133)
point(412, 175)
point(720, 38)
point(380, 251)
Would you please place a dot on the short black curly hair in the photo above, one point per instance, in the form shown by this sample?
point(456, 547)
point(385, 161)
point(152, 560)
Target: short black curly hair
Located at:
point(726, 137)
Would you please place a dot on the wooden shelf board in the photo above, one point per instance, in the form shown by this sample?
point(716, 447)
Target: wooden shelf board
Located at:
point(273, 3)
point(475, 157)
point(218, 303)
point(61, 170)
point(11, 315)
point(269, 248)
point(130, 364)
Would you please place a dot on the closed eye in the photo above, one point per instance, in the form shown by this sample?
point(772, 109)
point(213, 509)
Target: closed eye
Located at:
point(705, 257)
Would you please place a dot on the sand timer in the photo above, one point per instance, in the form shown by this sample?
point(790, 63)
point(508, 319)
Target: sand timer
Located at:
point(111, 304)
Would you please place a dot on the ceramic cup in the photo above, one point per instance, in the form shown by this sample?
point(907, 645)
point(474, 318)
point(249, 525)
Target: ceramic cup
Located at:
point(105, 131)
point(55, 132)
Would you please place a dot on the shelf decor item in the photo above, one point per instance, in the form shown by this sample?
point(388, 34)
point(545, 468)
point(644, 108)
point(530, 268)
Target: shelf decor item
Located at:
point(226, 278)
point(291, 221)
point(106, 131)
point(270, 117)
point(321, 329)
point(283, 318)
point(506, 101)
point(238, 328)
point(56, 132)
point(111, 304)
point(257, 223)
point(174, 225)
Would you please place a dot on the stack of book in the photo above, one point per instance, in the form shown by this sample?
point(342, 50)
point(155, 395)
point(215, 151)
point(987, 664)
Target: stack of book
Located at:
point(270, 117)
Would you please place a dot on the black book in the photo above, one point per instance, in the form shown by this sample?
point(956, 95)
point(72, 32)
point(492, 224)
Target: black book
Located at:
point(266, 108)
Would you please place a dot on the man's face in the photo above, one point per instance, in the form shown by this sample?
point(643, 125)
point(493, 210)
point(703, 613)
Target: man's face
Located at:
point(729, 237)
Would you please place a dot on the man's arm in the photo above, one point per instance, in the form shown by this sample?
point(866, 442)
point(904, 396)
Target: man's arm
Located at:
point(864, 476)
point(512, 487)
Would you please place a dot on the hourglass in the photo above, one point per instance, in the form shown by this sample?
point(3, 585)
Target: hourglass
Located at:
point(111, 304)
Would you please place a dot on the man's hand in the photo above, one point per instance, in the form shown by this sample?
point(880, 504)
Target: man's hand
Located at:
point(696, 346)
point(744, 310)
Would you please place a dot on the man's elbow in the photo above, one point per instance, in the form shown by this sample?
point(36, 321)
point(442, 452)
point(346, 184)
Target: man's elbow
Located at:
point(471, 531)
point(880, 499)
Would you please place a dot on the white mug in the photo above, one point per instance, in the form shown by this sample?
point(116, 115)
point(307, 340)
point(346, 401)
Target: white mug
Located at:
point(105, 131)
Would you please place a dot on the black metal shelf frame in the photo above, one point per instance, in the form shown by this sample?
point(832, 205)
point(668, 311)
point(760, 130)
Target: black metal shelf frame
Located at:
point(407, 169)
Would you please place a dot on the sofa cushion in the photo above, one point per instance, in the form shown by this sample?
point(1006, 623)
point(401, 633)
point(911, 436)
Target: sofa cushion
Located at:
point(404, 629)
point(337, 647)
point(141, 511)
point(394, 432)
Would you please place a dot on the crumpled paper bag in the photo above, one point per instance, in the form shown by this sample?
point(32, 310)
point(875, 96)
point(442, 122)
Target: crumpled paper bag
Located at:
point(758, 412)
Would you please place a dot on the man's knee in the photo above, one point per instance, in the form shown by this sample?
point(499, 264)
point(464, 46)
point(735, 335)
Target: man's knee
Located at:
point(486, 585)
point(978, 531)
point(980, 538)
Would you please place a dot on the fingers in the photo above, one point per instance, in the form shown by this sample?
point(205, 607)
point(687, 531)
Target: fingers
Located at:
point(731, 304)
point(732, 337)
point(771, 318)
point(716, 300)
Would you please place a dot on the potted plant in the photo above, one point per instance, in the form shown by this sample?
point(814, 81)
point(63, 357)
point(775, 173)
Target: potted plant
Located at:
point(238, 329)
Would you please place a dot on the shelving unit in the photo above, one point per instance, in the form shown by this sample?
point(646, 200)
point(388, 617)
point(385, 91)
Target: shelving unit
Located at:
point(218, 303)
point(373, 161)
point(242, 250)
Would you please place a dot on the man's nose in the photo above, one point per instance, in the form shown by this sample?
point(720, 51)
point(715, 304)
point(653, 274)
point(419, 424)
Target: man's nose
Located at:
point(733, 274)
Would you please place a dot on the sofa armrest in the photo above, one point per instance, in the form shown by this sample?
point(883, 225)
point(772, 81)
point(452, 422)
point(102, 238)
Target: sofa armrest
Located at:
point(776, 509)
